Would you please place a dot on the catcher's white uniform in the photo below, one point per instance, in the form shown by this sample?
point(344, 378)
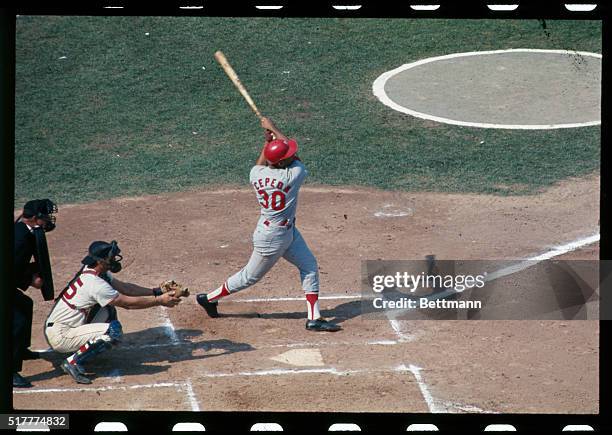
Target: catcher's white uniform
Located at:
point(67, 327)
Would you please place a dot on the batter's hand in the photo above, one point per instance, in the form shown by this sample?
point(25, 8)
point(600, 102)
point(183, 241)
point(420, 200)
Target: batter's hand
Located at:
point(267, 124)
point(169, 299)
point(268, 135)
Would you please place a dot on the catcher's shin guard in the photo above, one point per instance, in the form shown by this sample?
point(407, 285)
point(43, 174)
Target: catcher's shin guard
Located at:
point(114, 333)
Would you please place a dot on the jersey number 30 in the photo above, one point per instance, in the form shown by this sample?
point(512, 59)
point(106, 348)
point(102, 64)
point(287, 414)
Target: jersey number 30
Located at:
point(276, 201)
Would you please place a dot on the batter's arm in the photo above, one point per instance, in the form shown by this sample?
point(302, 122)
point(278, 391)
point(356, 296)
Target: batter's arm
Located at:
point(261, 160)
point(269, 125)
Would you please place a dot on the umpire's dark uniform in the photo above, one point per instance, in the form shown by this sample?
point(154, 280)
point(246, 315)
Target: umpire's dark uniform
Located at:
point(25, 246)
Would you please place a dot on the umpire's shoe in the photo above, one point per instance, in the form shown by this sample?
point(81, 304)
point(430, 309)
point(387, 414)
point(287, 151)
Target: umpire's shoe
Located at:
point(322, 325)
point(20, 382)
point(30, 355)
point(210, 307)
point(75, 372)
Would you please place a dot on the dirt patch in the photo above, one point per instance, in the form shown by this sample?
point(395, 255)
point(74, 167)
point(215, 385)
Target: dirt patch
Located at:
point(200, 237)
point(513, 88)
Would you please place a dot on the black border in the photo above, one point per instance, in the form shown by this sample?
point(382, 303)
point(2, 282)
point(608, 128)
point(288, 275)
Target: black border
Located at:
point(85, 421)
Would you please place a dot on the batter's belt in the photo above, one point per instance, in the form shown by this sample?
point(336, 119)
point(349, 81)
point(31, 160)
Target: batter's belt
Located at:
point(285, 223)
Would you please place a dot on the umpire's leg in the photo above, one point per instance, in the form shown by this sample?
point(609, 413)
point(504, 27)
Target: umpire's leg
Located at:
point(23, 308)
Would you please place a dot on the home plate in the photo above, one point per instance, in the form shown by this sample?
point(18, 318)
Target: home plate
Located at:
point(301, 357)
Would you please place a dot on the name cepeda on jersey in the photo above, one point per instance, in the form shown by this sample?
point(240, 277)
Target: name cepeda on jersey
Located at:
point(262, 183)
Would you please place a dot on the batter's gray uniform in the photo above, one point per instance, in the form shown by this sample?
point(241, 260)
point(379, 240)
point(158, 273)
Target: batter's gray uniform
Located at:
point(276, 235)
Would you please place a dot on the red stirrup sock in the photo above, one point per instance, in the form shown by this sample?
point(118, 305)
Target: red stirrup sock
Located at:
point(312, 301)
point(219, 293)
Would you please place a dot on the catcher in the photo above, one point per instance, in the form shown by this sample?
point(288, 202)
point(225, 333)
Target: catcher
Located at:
point(84, 321)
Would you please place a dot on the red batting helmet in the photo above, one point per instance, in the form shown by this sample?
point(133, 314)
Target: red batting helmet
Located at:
point(279, 149)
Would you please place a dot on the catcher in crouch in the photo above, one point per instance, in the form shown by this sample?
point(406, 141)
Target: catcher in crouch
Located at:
point(277, 177)
point(84, 321)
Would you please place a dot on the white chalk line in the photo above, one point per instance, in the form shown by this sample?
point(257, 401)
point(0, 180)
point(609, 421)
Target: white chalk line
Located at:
point(378, 89)
point(189, 386)
point(105, 388)
point(169, 329)
point(115, 376)
point(429, 400)
point(529, 262)
point(436, 406)
point(391, 214)
point(554, 252)
point(397, 328)
point(174, 339)
point(193, 400)
point(293, 299)
point(433, 405)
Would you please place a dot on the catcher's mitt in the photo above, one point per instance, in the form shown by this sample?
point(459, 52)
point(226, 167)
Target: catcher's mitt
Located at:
point(179, 290)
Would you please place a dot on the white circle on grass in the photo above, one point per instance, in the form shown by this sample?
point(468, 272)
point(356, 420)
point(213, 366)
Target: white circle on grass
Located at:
point(494, 89)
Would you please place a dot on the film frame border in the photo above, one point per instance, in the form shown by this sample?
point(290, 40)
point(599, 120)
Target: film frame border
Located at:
point(243, 421)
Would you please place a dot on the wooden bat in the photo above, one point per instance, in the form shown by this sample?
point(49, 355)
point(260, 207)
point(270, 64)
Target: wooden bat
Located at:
point(234, 78)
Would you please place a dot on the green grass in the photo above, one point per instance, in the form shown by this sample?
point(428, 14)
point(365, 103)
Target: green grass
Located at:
point(117, 117)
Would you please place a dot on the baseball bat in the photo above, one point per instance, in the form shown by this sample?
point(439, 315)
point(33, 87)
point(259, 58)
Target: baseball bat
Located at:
point(234, 78)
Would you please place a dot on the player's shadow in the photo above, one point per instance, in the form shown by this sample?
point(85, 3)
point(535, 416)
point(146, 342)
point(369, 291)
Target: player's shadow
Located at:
point(353, 309)
point(141, 352)
point(339, 314)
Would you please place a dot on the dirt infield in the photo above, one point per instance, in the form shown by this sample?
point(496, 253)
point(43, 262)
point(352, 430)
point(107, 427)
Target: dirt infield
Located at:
point(258, 355)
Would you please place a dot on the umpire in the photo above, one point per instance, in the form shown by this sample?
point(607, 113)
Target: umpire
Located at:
point(36, 219)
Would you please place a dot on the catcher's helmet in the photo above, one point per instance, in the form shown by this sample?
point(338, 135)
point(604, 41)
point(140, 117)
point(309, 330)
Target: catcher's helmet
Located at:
point(279, 149)
point(103, 251)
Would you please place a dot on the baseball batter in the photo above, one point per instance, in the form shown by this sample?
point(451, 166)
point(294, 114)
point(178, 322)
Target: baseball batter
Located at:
point(83, 321)
point(276, 177)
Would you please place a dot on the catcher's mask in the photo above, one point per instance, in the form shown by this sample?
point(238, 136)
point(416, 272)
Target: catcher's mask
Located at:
point(104, 252)
point(43, 209)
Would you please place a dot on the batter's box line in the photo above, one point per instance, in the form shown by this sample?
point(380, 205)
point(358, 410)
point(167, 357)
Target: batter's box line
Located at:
point(553, 252)
point(174, 339)
point(187, 385)
point(293, 299)
point(100, 389)
point(436, 406)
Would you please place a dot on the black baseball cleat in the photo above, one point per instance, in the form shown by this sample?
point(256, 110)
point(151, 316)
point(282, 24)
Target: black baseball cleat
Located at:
point(322, 325)
point(75, 372)
point(210, 307)
point(30, 355)
point(20, 382)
